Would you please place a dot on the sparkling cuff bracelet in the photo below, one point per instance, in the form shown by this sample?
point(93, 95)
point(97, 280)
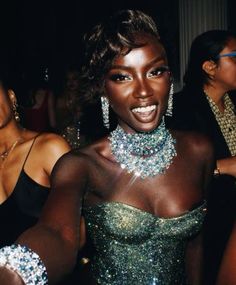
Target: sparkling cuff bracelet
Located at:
point(25, 262)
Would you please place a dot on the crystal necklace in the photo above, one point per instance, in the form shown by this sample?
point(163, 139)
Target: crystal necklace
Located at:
point(144, 154)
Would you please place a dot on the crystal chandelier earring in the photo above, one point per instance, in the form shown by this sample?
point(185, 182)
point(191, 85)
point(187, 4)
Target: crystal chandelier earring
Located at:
point(170, 101)
point(105, 111)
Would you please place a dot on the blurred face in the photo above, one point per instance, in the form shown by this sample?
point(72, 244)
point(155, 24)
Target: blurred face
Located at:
point(137, 86)
point(225, 73)
point(5, 108)
point(72, 82)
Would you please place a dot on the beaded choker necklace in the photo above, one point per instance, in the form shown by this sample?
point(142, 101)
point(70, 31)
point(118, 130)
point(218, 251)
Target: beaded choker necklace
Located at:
point(144, 154)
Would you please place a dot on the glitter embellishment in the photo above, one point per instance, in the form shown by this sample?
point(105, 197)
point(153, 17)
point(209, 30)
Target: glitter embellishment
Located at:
point(144, 154)
point(25, 262)
point(134, 247)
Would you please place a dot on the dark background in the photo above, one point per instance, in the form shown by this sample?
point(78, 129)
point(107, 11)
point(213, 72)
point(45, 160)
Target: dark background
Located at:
point(40, 34)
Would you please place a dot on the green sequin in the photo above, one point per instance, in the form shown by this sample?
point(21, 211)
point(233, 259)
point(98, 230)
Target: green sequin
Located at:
point(135, 247)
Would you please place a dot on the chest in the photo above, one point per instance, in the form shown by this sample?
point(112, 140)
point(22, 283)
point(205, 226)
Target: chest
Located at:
point(168, 195)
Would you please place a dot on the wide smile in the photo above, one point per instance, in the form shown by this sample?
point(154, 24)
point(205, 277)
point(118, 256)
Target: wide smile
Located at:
point(144, 112)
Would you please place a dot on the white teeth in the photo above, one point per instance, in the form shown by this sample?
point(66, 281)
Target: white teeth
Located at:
point(144, 109)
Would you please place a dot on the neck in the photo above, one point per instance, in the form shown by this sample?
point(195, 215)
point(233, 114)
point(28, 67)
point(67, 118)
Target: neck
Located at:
point(9, 135)
point(216, 94)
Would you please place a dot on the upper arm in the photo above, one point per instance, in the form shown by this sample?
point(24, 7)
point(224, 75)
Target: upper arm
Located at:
point(205, 155)
point(209, 166)
point(52, 147)
point(227, 273)
point(56, 235)
point(68, 183)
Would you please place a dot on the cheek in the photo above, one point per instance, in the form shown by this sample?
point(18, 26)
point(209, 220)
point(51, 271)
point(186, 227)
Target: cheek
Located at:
point(117, 92)
point(162, 89)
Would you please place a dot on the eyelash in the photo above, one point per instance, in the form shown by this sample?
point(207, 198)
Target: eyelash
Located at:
point(156, 72)
point(120, 77)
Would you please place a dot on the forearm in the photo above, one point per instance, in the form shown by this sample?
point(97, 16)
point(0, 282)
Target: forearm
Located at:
point(57, 250)
point(9, 277)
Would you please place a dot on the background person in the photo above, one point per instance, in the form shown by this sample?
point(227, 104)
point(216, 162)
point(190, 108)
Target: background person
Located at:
point(26, 162)
point(207, 104)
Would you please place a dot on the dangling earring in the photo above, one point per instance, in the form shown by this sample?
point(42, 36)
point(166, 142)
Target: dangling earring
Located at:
point(105, 111)
point(16, 114)
point(170, 101)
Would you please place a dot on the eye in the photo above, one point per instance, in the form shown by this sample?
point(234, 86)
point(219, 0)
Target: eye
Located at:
point(120, 77)
point(158, 71)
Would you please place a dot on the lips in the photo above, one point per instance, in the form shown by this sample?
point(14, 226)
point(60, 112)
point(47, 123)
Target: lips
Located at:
point(145, 114)
point(144, 111)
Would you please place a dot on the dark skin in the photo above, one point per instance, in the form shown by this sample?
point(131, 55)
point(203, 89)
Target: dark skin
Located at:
point(138, 79)
point(227, 271)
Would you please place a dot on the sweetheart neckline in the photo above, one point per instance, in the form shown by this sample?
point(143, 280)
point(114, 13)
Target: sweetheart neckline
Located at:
point(104, 204)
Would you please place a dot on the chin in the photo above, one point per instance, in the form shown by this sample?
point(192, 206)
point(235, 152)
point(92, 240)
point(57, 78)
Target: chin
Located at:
point(147, 128)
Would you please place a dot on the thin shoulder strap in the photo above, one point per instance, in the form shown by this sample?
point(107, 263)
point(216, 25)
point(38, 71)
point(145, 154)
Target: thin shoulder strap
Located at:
point(30, 150)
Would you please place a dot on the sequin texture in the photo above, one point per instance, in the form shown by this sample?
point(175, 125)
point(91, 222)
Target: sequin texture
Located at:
point(135, 247)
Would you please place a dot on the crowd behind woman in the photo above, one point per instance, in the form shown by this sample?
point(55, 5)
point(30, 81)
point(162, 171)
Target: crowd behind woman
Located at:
point(207, 105)
point(132, 192)
point(117, 187)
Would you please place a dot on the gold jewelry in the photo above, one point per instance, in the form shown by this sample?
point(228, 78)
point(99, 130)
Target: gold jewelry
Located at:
point(6, 153)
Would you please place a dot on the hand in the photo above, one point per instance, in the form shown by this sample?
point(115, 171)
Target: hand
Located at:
point(227, 165)
point(9, 277)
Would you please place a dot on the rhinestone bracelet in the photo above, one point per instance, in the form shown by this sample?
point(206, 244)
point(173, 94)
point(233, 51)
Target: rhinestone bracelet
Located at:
point(25, 262)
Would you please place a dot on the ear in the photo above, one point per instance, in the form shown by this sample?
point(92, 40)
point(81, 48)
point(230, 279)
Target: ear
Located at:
point(209, 67)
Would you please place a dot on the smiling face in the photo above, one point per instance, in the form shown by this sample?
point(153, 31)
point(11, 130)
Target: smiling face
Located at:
point(137, 86)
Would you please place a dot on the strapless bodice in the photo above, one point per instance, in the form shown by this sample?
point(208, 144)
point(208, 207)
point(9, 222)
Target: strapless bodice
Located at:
point(132, 246)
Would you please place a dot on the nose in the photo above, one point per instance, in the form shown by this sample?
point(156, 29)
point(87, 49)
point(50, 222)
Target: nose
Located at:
point(143, 88)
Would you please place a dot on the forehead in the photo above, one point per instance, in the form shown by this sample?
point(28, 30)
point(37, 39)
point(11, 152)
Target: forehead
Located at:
point(230, 46)
point(150, 49)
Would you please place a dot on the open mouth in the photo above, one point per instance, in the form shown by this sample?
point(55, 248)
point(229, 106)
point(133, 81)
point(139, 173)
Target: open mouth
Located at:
point(144, 111)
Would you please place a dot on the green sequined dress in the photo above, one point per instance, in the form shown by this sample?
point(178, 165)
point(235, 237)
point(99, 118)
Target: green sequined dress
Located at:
point(135, 247)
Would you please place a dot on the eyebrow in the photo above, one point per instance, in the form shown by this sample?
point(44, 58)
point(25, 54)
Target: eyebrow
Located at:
point(155, 60)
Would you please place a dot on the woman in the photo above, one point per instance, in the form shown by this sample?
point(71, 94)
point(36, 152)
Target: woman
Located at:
point(26, 162)
point(39, 115)
point(142, 206)
point(206, 104)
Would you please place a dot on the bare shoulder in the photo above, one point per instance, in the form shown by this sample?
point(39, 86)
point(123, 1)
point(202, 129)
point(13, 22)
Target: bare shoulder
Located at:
point(194, 142)
point(73, 164)
point(51, 142)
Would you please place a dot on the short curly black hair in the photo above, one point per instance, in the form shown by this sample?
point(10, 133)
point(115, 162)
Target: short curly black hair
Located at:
point(113, 37)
